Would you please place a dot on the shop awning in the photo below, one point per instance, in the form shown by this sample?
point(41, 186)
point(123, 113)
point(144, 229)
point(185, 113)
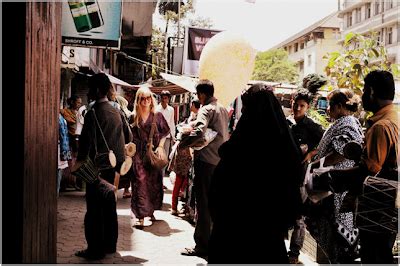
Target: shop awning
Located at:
point(119, 82)
point(173, 89)
point(187, 83)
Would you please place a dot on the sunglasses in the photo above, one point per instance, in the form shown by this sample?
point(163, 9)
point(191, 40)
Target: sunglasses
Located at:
point(143, 98)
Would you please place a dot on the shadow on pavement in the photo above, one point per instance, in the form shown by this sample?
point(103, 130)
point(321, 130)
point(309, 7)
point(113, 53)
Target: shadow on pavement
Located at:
point(166, 206)
point(160, 228)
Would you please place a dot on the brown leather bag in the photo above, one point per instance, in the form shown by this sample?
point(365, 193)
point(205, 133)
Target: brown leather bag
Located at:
point(151, 159)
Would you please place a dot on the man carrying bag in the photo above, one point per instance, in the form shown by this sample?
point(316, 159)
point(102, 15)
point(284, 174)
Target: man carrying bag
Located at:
point(103, 140)
point(379, 159)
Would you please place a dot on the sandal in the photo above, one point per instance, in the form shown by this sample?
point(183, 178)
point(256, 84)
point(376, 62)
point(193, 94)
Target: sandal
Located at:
point(193, 252)
point(139, 224)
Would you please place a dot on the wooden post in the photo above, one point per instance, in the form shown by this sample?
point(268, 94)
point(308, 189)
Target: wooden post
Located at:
point(42, 92)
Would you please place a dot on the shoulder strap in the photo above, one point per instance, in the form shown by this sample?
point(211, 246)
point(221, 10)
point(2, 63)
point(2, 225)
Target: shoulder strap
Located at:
point(153, 128)
point(102, 135)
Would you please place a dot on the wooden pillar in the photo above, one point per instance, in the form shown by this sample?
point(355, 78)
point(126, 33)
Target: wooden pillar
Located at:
point(42, 92)
point(31, 227)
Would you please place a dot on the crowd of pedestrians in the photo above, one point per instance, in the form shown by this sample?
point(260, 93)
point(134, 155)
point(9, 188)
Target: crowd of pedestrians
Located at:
point(232, 176)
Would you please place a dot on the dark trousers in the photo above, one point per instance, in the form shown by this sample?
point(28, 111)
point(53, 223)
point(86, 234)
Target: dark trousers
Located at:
point(297, 238)
point(202, 176)
point(101, 224)
point(376, 248)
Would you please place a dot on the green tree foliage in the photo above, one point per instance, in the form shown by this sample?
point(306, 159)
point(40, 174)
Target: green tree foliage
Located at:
point(273, 65)
point(169, 11)
point(361, 54)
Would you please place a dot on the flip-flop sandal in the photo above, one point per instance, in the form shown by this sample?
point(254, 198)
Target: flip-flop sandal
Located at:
point(139, 224)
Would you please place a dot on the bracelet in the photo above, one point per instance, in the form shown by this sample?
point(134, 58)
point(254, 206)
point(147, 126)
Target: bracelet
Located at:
point(161, 147)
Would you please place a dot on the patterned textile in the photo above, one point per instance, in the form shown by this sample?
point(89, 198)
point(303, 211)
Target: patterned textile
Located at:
point(65, 153)
point(181, 162)
point(324, 226)
point(70, 116)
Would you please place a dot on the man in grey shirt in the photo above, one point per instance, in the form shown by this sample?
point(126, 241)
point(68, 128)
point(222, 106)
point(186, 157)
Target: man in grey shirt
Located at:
point(214, 116)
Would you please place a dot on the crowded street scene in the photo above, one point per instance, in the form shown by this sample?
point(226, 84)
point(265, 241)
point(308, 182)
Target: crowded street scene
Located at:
point(202, 132)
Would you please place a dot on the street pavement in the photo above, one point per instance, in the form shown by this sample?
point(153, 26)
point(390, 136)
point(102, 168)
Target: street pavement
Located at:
point(158, 243)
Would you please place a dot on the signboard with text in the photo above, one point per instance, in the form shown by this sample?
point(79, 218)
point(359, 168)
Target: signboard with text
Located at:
point(91, 23)
point(195, 40)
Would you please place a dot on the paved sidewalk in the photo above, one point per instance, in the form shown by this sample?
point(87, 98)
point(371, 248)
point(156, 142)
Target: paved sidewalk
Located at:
point(159, 243)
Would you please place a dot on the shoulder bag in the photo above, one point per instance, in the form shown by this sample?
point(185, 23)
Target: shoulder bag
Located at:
point(152, 159)
point(88, 170)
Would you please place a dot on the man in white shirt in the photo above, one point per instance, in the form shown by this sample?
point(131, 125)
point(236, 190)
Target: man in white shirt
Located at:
point(168, 112)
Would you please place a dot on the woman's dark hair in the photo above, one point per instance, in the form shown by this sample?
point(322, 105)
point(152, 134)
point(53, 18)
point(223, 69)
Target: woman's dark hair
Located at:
point(71, 100)
point(205, 86)
point(312, 82)
point(382, 84)
point(344, 97)
point(302, 94)
point(100, 83)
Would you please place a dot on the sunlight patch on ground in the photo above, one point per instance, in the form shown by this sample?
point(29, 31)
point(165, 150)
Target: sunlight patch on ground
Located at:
point(124, 212)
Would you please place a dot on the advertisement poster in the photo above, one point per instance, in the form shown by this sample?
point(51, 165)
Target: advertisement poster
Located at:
point(91, 23)
point(195, 40)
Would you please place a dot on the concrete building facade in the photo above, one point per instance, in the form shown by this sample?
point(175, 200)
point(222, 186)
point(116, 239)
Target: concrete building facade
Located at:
point(308, 47)
point(381, 16)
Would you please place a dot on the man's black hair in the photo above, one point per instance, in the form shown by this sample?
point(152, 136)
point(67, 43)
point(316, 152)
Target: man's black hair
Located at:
point(382, 84)
point(165, 93)
point(205, 86)
point(302, 94)
point(100, 83)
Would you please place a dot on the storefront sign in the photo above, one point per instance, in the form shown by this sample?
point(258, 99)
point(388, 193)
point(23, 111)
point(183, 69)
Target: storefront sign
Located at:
point(91, 23)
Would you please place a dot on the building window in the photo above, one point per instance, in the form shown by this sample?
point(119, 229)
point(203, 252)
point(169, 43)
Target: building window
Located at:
point(389, 4)
point(389, 36)
point(296, 47)
point(290, 49)
point(349, 19)
point(302, 47)
point(358, 15)
point(301, 66)
point(377, 6)
point(378, 37)
point(368, 11)
point(309, 60)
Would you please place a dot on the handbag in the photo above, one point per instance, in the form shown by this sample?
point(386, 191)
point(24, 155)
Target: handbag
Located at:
point(311, 190)
point(151, 159)
point(88, 170)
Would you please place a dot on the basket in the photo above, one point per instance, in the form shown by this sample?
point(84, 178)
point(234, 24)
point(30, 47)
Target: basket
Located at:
point(377, 210)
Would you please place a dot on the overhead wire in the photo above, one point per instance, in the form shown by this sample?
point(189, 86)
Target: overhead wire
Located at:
point(147, 63)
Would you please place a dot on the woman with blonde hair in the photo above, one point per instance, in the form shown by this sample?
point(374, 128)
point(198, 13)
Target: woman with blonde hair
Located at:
point(147, 184)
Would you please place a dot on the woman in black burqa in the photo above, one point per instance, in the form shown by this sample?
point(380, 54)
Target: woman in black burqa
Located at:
point(258, 176)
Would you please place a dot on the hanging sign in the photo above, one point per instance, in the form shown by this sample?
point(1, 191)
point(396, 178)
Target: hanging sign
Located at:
point(195, 40)
point(91, 23)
